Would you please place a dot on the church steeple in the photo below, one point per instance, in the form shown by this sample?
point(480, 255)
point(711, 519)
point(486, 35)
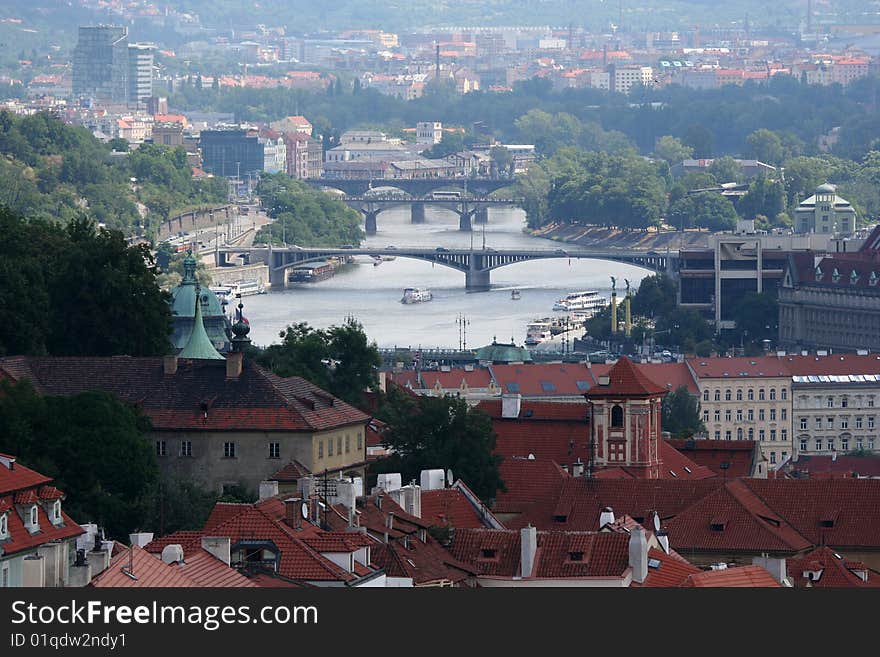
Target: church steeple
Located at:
point(199, 345)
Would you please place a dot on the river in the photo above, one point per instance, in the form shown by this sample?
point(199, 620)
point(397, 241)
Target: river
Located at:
point(371, 294)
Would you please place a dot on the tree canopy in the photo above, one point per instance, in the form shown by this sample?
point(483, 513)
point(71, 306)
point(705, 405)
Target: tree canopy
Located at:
point(440, 432)
point(680, 414)
point(97, 296)
point(339, 359)
point(91, 444)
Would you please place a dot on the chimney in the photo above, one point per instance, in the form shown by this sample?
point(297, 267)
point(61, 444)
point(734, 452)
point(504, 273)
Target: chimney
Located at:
point(169, 364)
point(268, 489)
point(412, 500)
point(172, 553)
point(8, 461)
point(528, 539)
point(219, 546)
point(776, 567)
point(606, 517)
point(577, 468)
point(663, 540)
point(234, 364)
point(511, 405)
point(140, 539)
point(293, 512)
point(638, 555)
point(389, 520)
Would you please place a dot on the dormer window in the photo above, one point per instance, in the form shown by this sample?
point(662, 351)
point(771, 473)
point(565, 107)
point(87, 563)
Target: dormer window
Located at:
point(575, 556)
point(872, 279)
point(56, 512)
point(34, 524)
point(488, 554)
point(835, 275)
point(4, 526)
point(854, 277)
point(819, 273)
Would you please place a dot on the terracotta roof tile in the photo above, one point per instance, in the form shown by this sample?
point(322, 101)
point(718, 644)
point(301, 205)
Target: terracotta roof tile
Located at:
point(739, 577)
point(626, 380)
point(293, 471)
point(449, 507)
point(834, 571)
point(19, 478)
point(148, 571)
point(197, 397)
point(737, 454)
point(668, 571)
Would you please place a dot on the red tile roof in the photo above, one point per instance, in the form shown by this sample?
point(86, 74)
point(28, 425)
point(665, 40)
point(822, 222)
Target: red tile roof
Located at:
point(669, 571)
point(626, 380)
point(739, 577)
point(827, 467)
point(496, 552)
point(147, 570)
point(206, 570)
point(19, 478)
point(293, 471)
point(197, 397)
point(834, 571)
point(737, 454)
point(425, 563)
point(670, 376)
point(532, 487)
point(544, 379)
point(561, 441)
point(448, 507)
point(735, 368)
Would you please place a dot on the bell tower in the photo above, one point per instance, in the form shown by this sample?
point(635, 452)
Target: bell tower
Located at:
point(625, 410)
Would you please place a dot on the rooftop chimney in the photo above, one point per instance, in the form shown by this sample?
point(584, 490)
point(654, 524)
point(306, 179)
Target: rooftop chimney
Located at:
point(776, 567)
point(8, 461)
point(577, 468)
point(169, 364)
point(606, 517)
point(511, 405)
point(293, 512)
point(234, 364)
point(638, 555)
point(140, 539)
point(663, 539)
point(528, 548)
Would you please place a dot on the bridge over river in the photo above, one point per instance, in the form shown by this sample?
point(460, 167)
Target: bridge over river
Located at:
point(475, 264)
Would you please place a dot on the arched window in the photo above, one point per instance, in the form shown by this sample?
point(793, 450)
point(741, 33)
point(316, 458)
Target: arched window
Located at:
point(739, 395)
point(761, 394)
point(727, 395)
point(783, 393)
point(705, 395)
point(772, 394)
point(739, 434)
point(751, 395)
point(717, 395)
point(616, 416)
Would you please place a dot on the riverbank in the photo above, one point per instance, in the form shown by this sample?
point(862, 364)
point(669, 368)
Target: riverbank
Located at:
point(613, 238)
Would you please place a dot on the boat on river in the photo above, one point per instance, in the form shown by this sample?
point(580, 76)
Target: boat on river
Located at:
point(416, 295)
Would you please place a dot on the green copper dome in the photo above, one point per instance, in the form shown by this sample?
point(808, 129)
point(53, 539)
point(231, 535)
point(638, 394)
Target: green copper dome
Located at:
point(199, 344)
point(183, 303)
point(503, 353)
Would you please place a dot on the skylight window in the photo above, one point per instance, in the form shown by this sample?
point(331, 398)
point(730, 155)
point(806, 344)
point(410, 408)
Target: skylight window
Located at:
point(512, 387)
point(654, 563)
point(548, 386)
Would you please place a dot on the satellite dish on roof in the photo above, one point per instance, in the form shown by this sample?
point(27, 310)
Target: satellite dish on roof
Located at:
point(305, 510)
point(656, 521)
point(531, 457)
point(449, 479)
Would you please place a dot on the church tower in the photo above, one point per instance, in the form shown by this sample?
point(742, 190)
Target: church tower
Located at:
point(625, 410)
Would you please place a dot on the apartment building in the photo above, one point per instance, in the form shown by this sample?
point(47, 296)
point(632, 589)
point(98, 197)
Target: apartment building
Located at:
point(746, 399)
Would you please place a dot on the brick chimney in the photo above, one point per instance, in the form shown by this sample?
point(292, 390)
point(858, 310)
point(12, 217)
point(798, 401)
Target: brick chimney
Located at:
point(638, 555)
point(234, 364)
point(293, 512)
point(169, 365)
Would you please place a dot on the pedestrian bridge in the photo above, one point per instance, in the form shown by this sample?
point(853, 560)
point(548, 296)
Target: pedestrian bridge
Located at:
point(476, 264)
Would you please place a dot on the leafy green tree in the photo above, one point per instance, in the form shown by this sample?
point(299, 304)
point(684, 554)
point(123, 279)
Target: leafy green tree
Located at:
point(672, 150)
point(700, 139)
point(766, 146)
point(452, 143)
point(91, 444)
point(802, 176)
point(765, 197)
point(680, 414)
point(339, 359)
point(440, 432)
point(757, 317)
point(703, 210)
point(98, 298)
point(502, 160)
point(656, 296)
point(726, 169)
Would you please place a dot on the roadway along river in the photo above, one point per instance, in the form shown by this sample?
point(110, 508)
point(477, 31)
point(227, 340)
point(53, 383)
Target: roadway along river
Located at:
point(372, 293)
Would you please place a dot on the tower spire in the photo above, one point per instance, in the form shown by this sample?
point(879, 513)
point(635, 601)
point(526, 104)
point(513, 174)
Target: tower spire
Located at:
point(199, 345)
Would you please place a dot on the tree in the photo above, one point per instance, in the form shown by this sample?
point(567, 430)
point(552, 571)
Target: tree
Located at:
point(656, 296)
point(91, 444)
point(703, 210)
point(700, 139)
point(440, 432)
point(765, 197)
point(99, 297)
point(681, 414)
point(672, 150)
point(502, 160)
point(766, 146)
point(339, 359)
point(757, 317)
point(452, 143)
point(726, 169)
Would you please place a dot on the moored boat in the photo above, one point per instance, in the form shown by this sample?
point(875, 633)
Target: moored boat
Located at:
point(416, 295)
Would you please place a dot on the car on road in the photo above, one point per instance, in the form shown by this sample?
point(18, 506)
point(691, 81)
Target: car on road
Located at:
point(441, 249)
point(489, 249)
point(347, 246)
point(390, 246)
point(561, 252)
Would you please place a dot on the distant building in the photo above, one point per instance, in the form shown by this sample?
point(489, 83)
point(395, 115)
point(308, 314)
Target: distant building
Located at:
point(832, 302)
point(101, 63)
point(825, 212)
point(233, 152)
point(429, 132)
point(140, 72)
point(305, 155)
